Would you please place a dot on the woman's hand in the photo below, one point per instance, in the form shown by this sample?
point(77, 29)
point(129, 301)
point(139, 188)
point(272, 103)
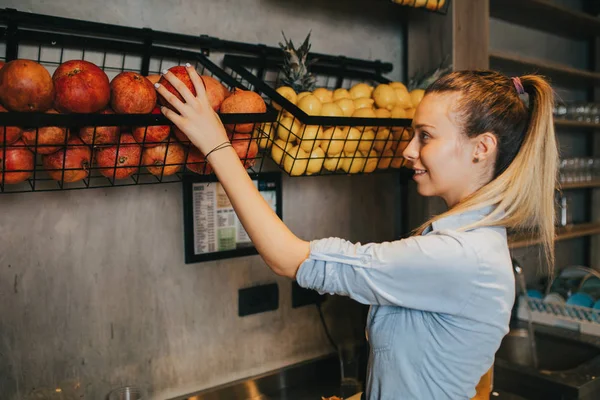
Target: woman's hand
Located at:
point(196, 117)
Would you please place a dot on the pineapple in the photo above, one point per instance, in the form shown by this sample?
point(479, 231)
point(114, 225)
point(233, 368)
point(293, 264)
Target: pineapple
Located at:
point(295, 67)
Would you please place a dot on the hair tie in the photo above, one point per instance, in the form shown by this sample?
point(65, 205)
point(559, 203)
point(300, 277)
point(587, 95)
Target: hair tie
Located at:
point(518, 85)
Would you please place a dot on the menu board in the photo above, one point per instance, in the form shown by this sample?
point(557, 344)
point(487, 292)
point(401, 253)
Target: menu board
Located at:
point(212, 228)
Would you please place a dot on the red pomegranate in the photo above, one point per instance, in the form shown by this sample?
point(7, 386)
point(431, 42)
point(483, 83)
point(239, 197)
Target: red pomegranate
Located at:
point(243, 102)
point(181, 73)
point(16, 163)
point(164, 159)
point(196, 162)
point(131, 93)
point(26, 85)
point(81, 87)
point(153, 135)
point(215, 91)
point(9, 134)
point(119, 165)
point(100, 135)
point(74, 161)
point(154, 78)
point(46, 139)
point(245, 147)
point(181, 137)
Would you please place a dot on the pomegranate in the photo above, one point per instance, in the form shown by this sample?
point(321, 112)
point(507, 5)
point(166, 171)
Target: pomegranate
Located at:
point(9, 134)
point(243, 102)
point(46, 139)
point(26, 86)
point(131, 93)
point(150, 136)
point(99, 135)
point(119, 165)
point(181, 137)
point(153, 78)
point(196, 162)
point(215, 91)
point(245, 147)
point(16, 163)
point(74, 161)
point(164, 159)
point(181, 73)
point(81, 87)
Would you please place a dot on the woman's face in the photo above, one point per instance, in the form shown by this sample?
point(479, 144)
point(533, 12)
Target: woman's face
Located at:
point(440, 154)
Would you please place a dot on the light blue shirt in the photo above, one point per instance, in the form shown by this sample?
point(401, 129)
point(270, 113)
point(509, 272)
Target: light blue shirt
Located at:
point(440, 304)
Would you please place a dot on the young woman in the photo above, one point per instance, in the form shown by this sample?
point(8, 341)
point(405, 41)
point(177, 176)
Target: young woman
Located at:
point(441, 299)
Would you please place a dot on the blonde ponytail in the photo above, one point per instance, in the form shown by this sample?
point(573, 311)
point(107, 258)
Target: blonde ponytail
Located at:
point(523, 191)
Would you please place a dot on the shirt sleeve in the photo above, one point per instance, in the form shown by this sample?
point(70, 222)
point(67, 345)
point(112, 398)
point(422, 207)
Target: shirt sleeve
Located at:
point(436, 272)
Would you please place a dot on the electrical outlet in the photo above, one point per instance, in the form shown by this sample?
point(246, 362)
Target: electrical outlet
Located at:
point(303, 297)
point(257, 299)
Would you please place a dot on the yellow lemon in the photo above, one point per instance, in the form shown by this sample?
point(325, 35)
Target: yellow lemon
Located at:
point(361, 90)
point(301, 95)
point(332, 163)
point(323, 94)
point(364, 113)
point(317, 159)
point(366, 141)
point(332, 140)
point(410, 113)
point(371, 162)
point(386, 159)
point(278, 150)
point(347, 106)
point(383, 113)
point(286, 92)
point(296, 161)
point(353, 136)
point(363, 102)
point(341, 93)
point(353, 163)
point(331, 110)
point(416, 96)
point(264, 135)
point(288, 129)
point(383, 140)
point(310, 104)
point(398, 85)
point(308, 137)
point(385, 96)
point(403, 97)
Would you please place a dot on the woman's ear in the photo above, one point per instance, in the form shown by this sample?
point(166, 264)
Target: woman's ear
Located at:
point(486, 146)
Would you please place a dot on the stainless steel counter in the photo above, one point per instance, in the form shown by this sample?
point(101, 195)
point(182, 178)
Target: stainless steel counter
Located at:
point(305, 381)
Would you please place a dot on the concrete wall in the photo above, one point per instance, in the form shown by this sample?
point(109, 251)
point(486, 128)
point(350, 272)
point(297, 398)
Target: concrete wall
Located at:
point(93, 287)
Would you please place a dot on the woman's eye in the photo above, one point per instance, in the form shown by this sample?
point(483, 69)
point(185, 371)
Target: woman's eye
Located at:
point(424, 136)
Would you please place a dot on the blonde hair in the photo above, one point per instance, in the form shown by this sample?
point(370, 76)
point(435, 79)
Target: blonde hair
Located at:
point(525, 176)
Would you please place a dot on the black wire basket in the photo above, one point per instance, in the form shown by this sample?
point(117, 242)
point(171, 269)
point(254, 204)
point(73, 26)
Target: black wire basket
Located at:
point(303, 144)
point(437, 6)
point(42, 151)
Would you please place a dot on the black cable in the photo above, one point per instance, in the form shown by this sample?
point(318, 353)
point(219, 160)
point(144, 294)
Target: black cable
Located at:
point(331, 341)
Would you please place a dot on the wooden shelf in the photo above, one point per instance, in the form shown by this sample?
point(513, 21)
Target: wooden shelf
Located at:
point(547, 17)
point(580, 185)
point(568, 232)
point(565, 123)
point(556, 72)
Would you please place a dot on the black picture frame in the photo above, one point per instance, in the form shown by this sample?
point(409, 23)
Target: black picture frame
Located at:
point(188, 181)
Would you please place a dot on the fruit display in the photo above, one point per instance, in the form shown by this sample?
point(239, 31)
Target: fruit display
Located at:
point(76, 152)
point(328, 123)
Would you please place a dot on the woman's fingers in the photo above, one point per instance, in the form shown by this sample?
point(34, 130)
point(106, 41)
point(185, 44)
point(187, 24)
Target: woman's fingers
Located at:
point(180, 87)
point(173, 116)
point(170, 97)
point(198, 85)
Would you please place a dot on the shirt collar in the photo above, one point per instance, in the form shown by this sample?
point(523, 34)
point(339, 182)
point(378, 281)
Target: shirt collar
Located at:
point(453, 222)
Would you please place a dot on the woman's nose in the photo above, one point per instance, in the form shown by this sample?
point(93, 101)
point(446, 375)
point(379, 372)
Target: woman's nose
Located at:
point(411, 152)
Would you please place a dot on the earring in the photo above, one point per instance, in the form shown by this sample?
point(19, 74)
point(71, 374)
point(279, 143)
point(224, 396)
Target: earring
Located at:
point(476, 160)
